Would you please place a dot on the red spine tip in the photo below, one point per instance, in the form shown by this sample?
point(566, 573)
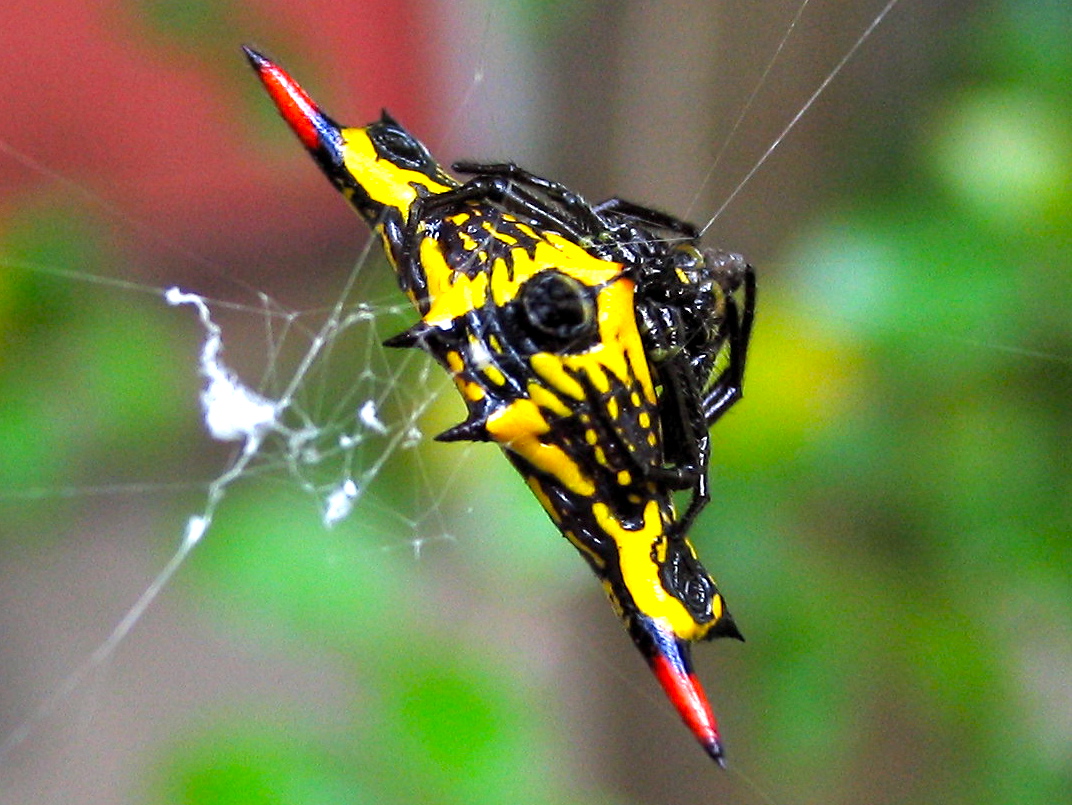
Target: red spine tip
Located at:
point(299, 110)
point(691, 703)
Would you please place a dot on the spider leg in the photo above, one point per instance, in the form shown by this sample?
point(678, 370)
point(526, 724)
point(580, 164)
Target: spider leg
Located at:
point(578, 227)
point(681, 415)
point(723, 394)
point(692, 470)
point(508, 190)
point(689, 470)
point(557, 191)
point(687, 410)
point(581, 219)
point(701, 492)
point(647, 215)
point(738, 323)
point(480, 188)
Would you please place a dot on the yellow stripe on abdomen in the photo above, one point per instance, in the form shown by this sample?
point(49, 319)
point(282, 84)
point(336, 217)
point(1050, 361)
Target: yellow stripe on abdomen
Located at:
point(640, 573)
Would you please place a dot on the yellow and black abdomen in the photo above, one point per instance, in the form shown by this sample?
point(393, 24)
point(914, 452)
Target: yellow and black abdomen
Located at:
point(542, 340)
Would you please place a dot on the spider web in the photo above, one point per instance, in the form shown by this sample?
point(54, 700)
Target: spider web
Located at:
point(330, 409)
point(311, 407)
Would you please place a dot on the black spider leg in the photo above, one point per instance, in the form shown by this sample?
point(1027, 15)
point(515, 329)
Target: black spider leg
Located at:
point(682, 389)
point(728, 388)
point(698, 409)
point(680, 413)
point(578, 208)
point(647, 215)
point(716, 400)
point(506, 183)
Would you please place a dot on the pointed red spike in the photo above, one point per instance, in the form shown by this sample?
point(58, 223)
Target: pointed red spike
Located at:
point(671, 663)
point(315, 129)
point(691, 703)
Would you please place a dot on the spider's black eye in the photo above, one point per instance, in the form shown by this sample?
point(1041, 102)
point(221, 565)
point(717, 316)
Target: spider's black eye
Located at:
point(558, 310)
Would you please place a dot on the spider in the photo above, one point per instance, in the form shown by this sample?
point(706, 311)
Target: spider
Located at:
point(685, 302)
point(595, 344)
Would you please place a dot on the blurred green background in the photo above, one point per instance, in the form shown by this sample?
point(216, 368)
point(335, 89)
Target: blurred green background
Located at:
point(892, 499)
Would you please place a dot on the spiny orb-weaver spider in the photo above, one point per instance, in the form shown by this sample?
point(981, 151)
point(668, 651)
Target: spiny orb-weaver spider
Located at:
point(596, 344)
